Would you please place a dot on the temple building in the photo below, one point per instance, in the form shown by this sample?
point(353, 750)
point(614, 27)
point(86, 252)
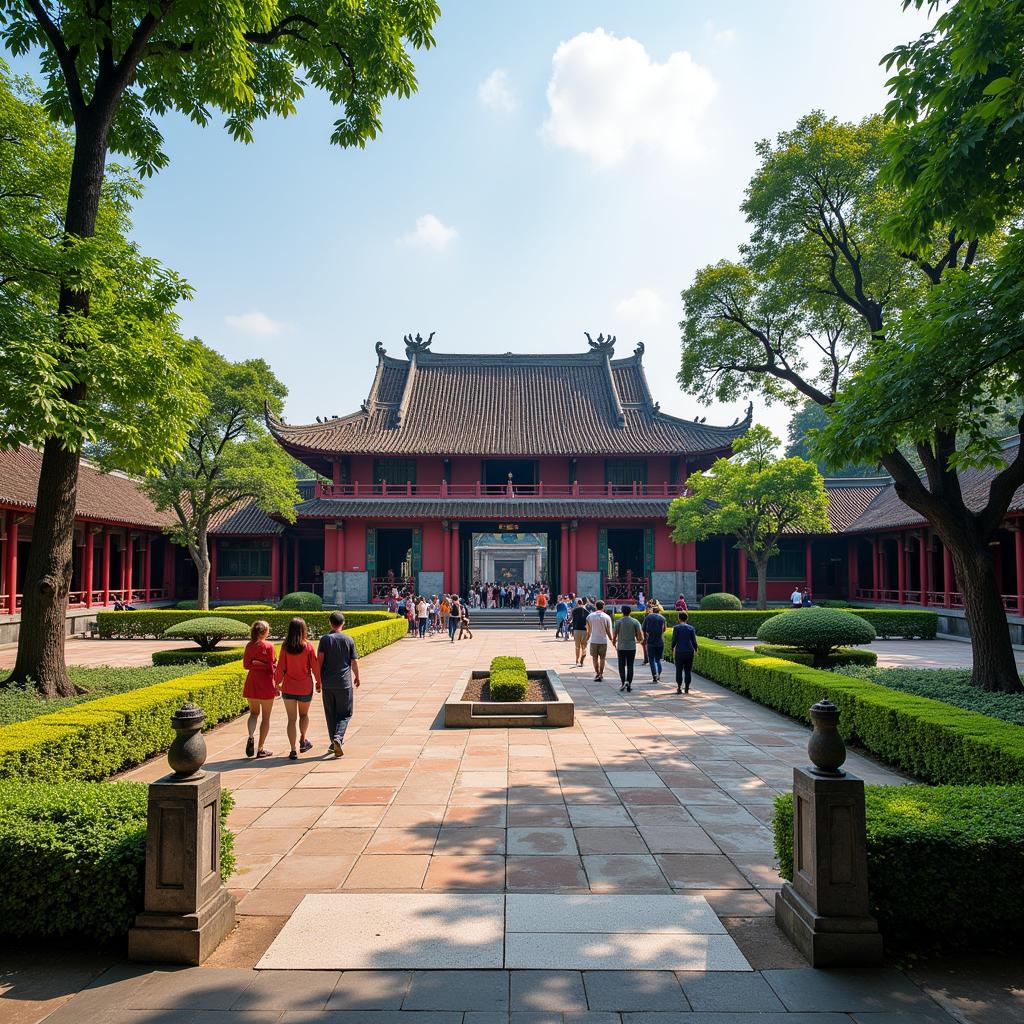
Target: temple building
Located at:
point(463, 469)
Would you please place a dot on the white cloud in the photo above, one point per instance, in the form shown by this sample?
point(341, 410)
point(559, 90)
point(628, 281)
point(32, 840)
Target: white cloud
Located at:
point(494, 92)
point(430, 233)
point(254, 323)
point(719, 36)
point(608, 97)
point(643, 306)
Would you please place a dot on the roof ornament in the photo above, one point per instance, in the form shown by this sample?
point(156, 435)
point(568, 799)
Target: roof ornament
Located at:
point(639, 350)
point(749, 418)
point(603, 344)
point(380, 350)
point(417, 344)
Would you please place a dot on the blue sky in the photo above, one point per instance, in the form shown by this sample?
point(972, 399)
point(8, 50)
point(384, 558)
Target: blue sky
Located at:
point(563, 167)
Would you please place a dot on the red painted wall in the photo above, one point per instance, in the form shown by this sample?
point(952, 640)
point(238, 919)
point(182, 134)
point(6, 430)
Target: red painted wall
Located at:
point(433, 547)
point(430, 471)
point(362, 469)
point(465, 471)
point(236, 590)
point(552, 470)
point(590, 471)
point(355, 545)
point(586, 547)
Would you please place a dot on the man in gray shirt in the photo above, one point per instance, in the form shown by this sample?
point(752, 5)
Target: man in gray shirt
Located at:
point(339, 672)
point(599, 635)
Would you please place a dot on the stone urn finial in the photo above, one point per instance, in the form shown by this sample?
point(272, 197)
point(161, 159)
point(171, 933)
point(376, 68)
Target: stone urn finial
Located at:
point(826, 747)
point(187, 753)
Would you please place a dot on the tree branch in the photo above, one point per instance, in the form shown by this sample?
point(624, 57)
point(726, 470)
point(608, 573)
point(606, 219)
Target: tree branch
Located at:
point(65, 55)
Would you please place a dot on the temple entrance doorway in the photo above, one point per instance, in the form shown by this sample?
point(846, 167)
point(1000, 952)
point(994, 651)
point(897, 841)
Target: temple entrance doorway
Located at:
point(394, 568)
point(505, 553)
point(625, 572)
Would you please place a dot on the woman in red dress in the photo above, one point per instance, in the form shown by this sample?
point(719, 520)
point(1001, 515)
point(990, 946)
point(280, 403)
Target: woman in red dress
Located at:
point(297, 671)
point(260, 660)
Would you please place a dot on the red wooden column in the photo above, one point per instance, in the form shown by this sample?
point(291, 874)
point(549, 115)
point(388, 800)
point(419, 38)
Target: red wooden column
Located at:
point(339, 531)
point(12, 563)
point(87, 556)
point(922, 565)
point(1018, 557)
point(874, 568)
point(275, 567)
point(901, 567)
point(563, 560)
point(453, 538)
point(106, 566)
point(808, 565)
point(147, 565)
point(573, 530)
point(741, 583)
point(169, 587)
point(851, 567)
point(127, 566)
point(947, 576)
point(446, 555)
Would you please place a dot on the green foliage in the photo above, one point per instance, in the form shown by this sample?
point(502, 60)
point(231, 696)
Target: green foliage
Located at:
point(190, 605)
point(74, 858)
point(951, 685)
point(243, 607)
point(20, 702)
point(208, 631)
point(720, 603)
point(119, 378)
point(808, 418)
point(147, 623)
point(754, 496)
point(302, 600)
point(198, 656)
point(899, 623)
point(817, 631)
point(931, 740)
point(508, 680)
point(834, 658)
point(965, 842)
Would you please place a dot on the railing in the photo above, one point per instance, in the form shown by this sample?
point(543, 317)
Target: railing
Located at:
point(477, 489)
point(85, 599)
point(626, 588)
point(936, 598)
point(381, 587)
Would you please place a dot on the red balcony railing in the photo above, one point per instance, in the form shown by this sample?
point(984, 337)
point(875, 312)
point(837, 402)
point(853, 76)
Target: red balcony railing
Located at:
point(626, 588)
point(477, 489)
point(77, 598)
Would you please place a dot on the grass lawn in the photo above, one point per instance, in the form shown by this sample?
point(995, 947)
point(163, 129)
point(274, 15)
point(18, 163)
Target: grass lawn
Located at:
point(19, 703)
point(952, 685)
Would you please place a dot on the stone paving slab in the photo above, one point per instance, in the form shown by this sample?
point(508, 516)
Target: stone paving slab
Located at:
point(646, 914)
point(619, 951)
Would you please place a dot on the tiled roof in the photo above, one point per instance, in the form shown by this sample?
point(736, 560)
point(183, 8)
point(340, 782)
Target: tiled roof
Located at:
point(849, 497)
point(510, 405)
point(483, 508)
point(246, 520)
point(111, 497)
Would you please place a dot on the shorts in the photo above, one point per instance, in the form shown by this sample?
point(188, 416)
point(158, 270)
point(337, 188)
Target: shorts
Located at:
point(295, 696)
point(599, 650)
point(579, 635)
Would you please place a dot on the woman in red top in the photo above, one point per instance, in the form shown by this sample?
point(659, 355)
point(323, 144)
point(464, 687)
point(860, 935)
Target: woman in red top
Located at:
point(259, 691)
point(298, 669)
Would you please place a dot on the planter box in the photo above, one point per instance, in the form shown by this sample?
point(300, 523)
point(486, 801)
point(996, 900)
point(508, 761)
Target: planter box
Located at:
point(462, 714)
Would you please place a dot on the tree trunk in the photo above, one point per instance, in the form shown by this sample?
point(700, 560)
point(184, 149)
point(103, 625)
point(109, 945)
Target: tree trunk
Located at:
point(995, 667)
point(762, 583)
point(48, 572)
point(201, 557)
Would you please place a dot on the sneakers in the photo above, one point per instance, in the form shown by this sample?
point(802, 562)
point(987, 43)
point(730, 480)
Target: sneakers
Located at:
point(622, 688)
point(294, 755)
point(250, 747)
point(264, 753)
point(629, 687)
point(336, 749)
point(305, 745)
point(679, 689)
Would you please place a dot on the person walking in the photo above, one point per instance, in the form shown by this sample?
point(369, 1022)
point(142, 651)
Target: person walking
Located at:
point(421, 616)
point(297, 672)
point(454, 616)
point(578, 622)
point(599, 636)
point(562, 618)
point(796, 599)
point(681, 604)
point(339, 670)
point(684, 647)
point(654, 632)
point(260, 659)
point(464, 630)
point(627, 631)
point(542, 607)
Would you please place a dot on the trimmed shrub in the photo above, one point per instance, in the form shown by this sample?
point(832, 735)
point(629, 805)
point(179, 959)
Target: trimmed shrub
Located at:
point(720, 603)
point(301, 601)
point(944, 862)
point(74, 857)
point(208, 631)
point(900, 623)
point(244, 607)
point(152, 622)
point(197, 656)
point(837, 657)
point(952, 685)
point(508, 680)
point(931, 740)
point(817, 631)
point(188, 606)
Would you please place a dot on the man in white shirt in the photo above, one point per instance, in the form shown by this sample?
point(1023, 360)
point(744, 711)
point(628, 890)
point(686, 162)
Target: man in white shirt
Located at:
point(599, 636)
point(796, 599)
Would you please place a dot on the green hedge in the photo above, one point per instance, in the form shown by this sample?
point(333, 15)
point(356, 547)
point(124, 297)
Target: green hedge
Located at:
point(194, 656)
point(74, 858)
point(899, 623)
point(840, 656)
point(152, 623)
point(244, 607)
point(944, 863)
point(508, 680)
point(98, 738)
point(927, 738)
point(301, 601)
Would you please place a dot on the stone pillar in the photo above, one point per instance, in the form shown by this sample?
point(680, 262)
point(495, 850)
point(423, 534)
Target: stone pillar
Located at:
point(187, 911)
point(824, 910)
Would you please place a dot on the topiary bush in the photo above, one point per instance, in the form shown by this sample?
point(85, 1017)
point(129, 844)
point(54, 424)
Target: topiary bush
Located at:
point(816, 630)
point(197, 656)
point(208, 631)
point(720, 603)
point(187, 606)
point(965, 842)
point(508, 680)
point(838, 657)
point(74, 857)
point(301, 601)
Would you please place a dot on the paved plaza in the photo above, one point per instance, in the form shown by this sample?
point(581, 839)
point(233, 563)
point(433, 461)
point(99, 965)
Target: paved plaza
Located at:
point(617, 871)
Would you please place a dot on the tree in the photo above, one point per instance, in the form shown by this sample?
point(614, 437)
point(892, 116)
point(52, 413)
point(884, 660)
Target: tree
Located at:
point(109, 73)
point(122, 379)
point(808, 418)
point(824, 268)
point(228, 459)
point(755, 496)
